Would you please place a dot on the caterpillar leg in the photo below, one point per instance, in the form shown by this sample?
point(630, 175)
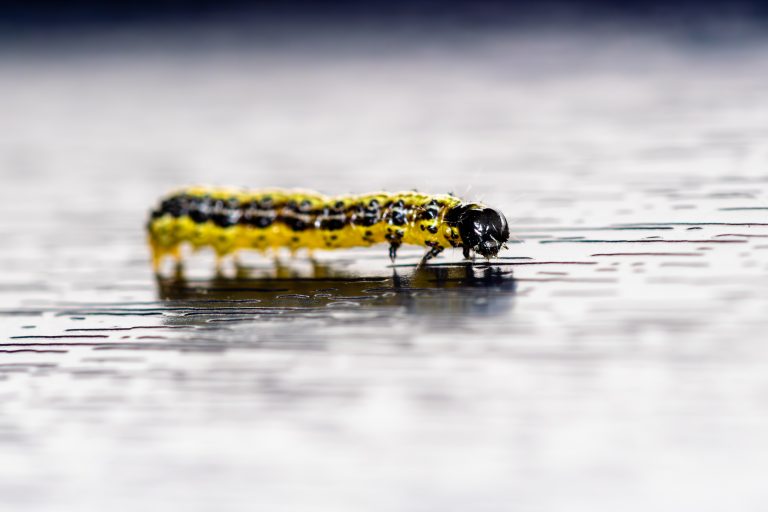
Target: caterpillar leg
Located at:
point(157, 259)
point(241, 271)
point(159, 254)
point(178, 270)
point(219, 265)
point(431, 253)
point(176, 254)
point(393, 247)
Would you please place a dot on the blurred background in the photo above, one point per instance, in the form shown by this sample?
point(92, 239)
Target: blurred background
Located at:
point(612, 359)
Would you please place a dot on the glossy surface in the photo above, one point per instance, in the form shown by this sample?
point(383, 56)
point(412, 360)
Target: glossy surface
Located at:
point(613, 359)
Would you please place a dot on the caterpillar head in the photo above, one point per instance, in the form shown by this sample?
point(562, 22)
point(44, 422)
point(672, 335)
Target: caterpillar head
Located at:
point(482, 229)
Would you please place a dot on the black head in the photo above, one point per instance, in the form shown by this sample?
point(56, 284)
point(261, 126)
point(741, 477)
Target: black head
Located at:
point(482, 229)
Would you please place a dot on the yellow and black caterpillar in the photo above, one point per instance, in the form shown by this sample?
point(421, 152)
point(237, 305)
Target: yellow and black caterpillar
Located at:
point(232, 219)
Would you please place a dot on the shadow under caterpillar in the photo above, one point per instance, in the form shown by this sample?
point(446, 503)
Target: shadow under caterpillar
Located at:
point(430, 291)
point(229, 220)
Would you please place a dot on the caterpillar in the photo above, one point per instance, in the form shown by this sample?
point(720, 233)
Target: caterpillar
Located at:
point(229, 220)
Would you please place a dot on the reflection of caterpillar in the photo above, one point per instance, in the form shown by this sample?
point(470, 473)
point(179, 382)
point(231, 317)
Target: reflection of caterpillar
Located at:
point(440, 290)
point(230, 219)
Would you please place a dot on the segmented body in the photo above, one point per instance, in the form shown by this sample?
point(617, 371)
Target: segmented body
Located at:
point(229, 220)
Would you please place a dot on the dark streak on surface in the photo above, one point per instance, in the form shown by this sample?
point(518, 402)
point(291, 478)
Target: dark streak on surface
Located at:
point(663, 254)
point(59, 336)
point(642, 241)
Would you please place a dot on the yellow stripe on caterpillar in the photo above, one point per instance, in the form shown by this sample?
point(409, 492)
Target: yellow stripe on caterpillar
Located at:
point(229, 220)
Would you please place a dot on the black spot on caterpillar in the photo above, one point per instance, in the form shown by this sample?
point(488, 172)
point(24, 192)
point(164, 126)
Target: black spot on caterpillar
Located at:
point(229, 220)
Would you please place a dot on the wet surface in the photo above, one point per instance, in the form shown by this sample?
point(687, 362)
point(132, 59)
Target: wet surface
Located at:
point(613, 359)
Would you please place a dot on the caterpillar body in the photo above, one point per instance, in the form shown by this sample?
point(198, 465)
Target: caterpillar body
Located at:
point(229, 220)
